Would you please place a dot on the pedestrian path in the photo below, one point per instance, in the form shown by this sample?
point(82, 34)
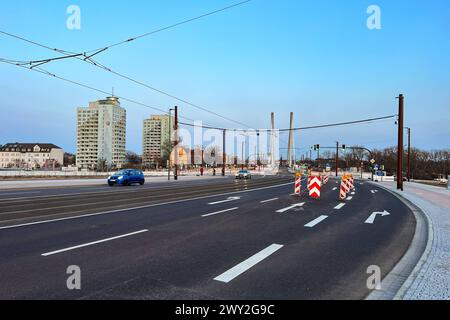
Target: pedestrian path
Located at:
point(431, 278)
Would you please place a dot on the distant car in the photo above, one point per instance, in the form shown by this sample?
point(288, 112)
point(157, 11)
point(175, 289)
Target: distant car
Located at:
point(243, 174)
point(126, 178)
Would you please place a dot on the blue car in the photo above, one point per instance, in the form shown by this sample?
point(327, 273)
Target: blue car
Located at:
point(126, 178)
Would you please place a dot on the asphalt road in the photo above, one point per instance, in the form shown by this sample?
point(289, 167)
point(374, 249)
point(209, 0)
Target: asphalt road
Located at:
point(220, 239)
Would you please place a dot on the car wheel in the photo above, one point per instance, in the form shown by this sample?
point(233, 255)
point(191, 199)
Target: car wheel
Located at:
point(111, 184)
point(125, 183)
point(142, 183)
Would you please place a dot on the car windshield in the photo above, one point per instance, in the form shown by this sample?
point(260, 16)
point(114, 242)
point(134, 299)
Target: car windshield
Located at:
point(122, 172)
point(243, 171)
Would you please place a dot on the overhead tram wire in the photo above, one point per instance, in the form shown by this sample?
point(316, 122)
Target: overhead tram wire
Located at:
point(171, 26)
point(129, 39)
point(338, 124)
point(45, 72)
point(87, 56)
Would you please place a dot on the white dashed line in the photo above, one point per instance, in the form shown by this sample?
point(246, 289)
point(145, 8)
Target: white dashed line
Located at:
point(349, 198)
point(339, 206)
point(270, 200)
point(92, 243)
point(315, 222)
point(247, 264)
point(291, 207)
point(219, 212)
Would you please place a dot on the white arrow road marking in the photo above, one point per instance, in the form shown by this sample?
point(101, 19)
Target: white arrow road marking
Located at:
point(315, 222)
point(374, 191)
point(92, 243)
point(291, 207)
point(270, 200)
point(219, 212)
point(224, 201)
point(374, 215)
point(339, 206)
point(247, 264)
point(335, 188)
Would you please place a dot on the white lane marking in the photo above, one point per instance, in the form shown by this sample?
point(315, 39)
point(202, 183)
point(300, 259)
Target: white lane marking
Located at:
point(140, 207)
point(374, 191)
point(247, 264)
point(291, 207)
point(218, 212)
point(270, 200)
point(315, 222)
point(92, 243)
point(353, 193)
point(374, 215)
point(349, 198)
point(339, 206)
point(335, 188)
point(225, 201)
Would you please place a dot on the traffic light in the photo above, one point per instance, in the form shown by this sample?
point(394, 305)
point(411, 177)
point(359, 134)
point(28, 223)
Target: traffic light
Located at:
point(318, 147)
point(344, 147)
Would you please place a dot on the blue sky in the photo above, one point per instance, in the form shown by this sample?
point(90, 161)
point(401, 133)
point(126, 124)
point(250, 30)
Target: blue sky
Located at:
point(316, 58)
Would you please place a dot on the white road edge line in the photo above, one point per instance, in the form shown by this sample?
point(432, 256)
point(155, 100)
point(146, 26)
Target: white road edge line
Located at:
point(92, 243)
point(247, 264)
point(219, 212)
point(339, 206)
point(315, 222)
point(270, 200)
point(141, 207)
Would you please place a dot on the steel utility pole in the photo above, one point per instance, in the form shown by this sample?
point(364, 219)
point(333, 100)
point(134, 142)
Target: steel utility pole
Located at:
point(243, 155)
point(224, 155)
point(170, 143)
point(291, 140)
point(175, 176)
point(337, 159)
point(272, 143)
point(401, 101)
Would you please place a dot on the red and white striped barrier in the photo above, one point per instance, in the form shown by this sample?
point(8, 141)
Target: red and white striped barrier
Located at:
point(343, 191)
point(314, 185)
point(352, 184)
point(298, 185)
point(309, 181)
point(325, 179)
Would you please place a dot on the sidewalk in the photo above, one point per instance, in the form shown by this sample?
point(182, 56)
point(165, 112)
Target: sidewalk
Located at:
point(431, 278)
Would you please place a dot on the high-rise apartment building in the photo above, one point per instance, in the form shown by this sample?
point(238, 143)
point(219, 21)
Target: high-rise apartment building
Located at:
point(101, 135)
point(156, 139)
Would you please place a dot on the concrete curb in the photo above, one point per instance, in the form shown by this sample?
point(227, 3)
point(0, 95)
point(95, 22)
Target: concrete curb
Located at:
point(397, 283)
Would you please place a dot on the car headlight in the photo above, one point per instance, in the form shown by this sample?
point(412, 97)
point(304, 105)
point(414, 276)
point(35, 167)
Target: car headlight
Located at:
point(120, 178)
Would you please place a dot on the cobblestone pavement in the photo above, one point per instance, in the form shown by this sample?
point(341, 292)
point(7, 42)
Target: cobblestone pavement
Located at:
point(431, 279)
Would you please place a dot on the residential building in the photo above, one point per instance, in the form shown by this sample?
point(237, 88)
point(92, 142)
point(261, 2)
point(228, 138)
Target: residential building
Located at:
point(101, 135)
point(156, 139)
point(31, 156)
